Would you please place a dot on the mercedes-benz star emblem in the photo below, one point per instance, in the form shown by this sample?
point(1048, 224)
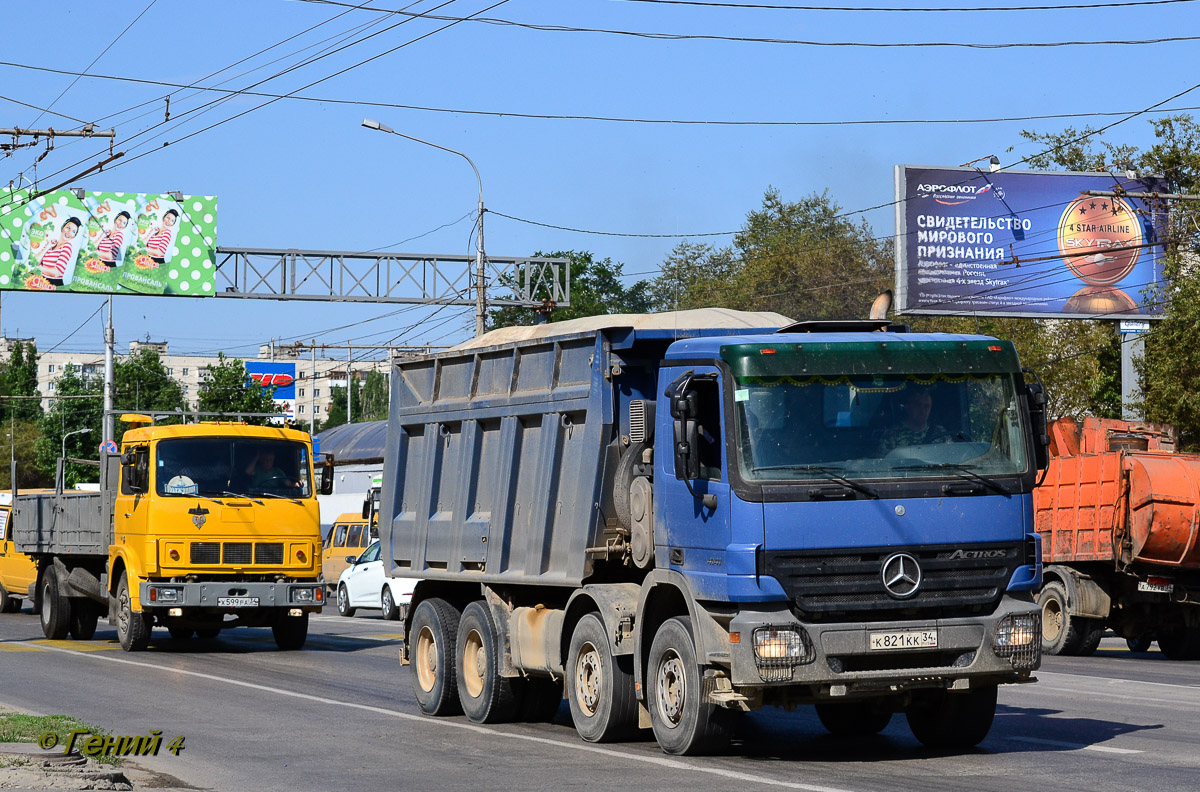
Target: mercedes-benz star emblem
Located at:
point(901, 575)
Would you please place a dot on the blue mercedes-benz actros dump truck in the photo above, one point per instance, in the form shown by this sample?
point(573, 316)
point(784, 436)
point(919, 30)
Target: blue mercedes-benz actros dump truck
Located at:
point(671, 519)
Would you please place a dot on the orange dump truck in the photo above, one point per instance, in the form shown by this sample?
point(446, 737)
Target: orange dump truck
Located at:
point(1119, 514)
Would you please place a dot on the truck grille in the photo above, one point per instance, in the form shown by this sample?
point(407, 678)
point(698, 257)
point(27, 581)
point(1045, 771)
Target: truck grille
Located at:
point(847, 585)
point(268, 553)
point(236, 553)
point(206, 553)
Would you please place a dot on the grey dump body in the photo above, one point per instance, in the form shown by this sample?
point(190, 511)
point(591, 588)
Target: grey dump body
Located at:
point(493, 462)
point(67, 524)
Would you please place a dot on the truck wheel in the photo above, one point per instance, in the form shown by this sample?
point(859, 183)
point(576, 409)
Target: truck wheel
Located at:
point(684, 724)
point(540, 699)
point(84, 615)
point(600, 689)
point(8, 604)
point(1062, 633)
point(1140, 643)
point(56, 607)
point(1091, 638)
point(940, 719)
point(434, 636)
point(343, 601)
point(486, 696)
point(390, 611)
point(1180, 643)
point(290, 631)
point(853, 718)
point(133, 629)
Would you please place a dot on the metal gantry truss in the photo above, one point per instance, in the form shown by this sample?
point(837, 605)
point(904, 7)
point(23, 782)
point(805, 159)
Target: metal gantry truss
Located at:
point(344, 276)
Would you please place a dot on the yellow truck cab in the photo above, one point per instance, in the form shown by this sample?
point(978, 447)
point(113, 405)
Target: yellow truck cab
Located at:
point(201, 528)
point(18, 572)
point(348, 537)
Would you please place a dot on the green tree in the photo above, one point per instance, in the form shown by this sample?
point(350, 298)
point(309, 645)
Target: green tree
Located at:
point(373, 403)
point(142, 384)
point(336, 416)
point(18, 378)
point(78, 405)
point(596, 288)
point(22, 437)
point(227, 388)
point(803, 259)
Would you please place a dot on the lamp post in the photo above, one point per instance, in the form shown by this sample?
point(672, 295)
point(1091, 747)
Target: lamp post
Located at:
point(63, 469)
point(480, 285)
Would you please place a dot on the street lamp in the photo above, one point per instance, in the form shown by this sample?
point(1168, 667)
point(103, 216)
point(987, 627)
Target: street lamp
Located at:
point(480, 297)
point(63, 473)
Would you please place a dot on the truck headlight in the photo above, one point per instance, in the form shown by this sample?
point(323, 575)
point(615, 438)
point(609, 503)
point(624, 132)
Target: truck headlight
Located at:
point(777, 650)
point(1018, 637)
point(162, 594)
point(304, 595)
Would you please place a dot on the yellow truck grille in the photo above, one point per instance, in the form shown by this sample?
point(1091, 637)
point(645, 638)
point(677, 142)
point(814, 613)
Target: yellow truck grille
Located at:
point(241, 553)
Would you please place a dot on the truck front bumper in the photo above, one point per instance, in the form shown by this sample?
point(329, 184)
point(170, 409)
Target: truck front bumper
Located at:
point(837, 659)
point(233, 595)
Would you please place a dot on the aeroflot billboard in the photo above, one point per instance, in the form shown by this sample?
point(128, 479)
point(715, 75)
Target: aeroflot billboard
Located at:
point(1027, 243)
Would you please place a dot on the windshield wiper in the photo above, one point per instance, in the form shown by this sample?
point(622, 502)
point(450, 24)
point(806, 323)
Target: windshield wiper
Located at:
point(281, 497)
point(241, 495)
point(194, 495)
point(963, 471)
point(831, 473)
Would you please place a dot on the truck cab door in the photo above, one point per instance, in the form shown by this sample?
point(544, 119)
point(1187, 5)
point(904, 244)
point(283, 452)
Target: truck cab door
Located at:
point(133, 503)
point(692, 522)
point(17, 570)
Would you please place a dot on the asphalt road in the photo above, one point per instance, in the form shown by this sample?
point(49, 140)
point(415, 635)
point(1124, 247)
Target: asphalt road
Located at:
point(340, 715)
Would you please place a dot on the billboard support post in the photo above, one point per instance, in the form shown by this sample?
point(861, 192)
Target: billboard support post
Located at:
point(1133, 346)
point(109, 383)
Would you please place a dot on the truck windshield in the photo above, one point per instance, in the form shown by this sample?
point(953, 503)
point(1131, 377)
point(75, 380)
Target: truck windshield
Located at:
point(879, 427)
point(215, 466)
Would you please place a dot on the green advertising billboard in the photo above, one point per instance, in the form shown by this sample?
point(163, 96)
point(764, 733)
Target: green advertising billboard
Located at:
point(108, 243)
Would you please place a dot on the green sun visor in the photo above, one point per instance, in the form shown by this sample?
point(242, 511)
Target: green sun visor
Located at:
point(871, 358)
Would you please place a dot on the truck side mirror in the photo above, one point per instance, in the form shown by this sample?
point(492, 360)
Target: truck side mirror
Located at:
point(684, 410)
point(325, 482)
point(1036, 399)
point(366, 515)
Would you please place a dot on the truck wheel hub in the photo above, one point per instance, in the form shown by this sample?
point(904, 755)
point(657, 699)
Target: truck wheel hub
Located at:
point(672, 689)
point(588, 679)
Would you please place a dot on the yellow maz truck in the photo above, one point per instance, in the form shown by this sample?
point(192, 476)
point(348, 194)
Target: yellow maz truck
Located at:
point(196, 528)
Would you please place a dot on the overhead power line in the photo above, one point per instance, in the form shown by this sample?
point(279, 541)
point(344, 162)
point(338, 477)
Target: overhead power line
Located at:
point(782, 7)
point(767, 40)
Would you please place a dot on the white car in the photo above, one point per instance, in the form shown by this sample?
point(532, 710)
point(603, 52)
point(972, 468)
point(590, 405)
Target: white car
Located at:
point(363, 585)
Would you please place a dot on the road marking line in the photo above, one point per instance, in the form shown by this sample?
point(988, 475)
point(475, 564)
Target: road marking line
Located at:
point(1142, 699)
point(661, 761)
point(1075, 746)
point(5, 646)
point(79, 646)
point(1115, 680)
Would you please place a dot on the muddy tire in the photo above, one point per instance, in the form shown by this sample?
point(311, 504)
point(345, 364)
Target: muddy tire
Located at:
point(600, 689)
point(1091, 638)
point(1180, 644)
point(133, 629)
point(853, 718)
point(434, 638)
point(944, 720)
point(1141, 643)
point(56, 607)
point(684, 723)
point(485, 695)
point(1062, 633)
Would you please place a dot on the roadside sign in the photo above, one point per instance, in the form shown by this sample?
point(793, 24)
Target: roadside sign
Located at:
point(108, 448)
point(1134, 326)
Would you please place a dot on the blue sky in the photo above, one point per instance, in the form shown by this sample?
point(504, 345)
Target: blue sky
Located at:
point(307, 175)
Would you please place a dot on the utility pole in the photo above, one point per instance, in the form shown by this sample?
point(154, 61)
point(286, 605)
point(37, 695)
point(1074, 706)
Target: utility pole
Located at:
point(109, 384)
point(312, 399)
point(349, 384)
